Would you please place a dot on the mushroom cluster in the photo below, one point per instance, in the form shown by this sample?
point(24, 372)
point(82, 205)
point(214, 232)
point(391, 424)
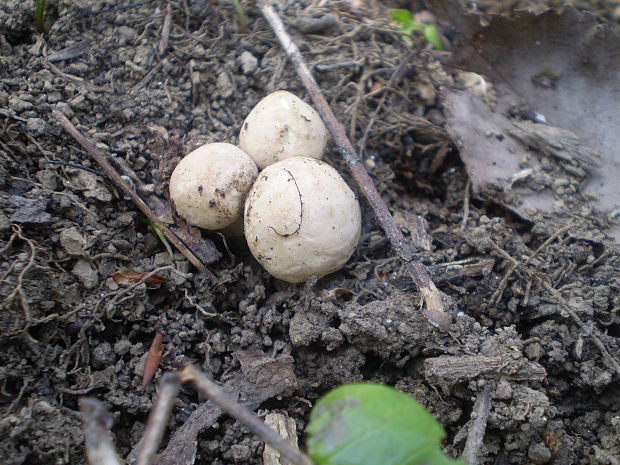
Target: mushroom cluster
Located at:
point(301, 219)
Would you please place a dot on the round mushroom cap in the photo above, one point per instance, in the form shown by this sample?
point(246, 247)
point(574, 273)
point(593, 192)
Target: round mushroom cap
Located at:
point(209, 185)
point(281, 126)
point(301, 219)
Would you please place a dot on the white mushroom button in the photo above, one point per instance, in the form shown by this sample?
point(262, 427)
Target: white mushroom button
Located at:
point(301, 219)
point(282, 126)
point(208, 187)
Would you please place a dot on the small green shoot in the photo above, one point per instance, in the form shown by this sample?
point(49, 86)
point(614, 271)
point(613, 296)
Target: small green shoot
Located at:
point(159, 234)
point(241, 17)
point(39, 15)
point(371, 424)
point(408, 26)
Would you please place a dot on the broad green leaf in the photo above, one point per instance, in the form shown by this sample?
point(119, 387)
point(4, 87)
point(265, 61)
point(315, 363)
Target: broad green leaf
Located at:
point(402, 17)
point(373, 424)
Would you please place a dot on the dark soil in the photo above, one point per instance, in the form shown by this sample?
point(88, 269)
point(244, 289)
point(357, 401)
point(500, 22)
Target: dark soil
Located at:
point(67, 329)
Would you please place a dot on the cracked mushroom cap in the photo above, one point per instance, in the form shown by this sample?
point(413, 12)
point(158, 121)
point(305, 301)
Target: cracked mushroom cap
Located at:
point(209, 185)
point(301, 219)
point(281, 126)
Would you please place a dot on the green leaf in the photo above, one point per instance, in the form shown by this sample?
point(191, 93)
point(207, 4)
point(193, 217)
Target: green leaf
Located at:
point(430, 34)
point(373, 424)
point(409, 29)
point(402, 17)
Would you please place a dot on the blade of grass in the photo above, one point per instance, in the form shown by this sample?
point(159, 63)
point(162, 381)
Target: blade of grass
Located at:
point(39, 15)
point(159, 234)
point(241, 17)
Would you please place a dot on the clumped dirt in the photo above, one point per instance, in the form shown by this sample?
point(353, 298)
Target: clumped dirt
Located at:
point(67, 329)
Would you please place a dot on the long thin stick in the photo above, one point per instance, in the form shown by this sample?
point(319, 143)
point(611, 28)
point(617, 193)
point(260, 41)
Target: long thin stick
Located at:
point(245, 416)
point(97, 420)
point(158, 419)
point(123, 186)
point(434, 311)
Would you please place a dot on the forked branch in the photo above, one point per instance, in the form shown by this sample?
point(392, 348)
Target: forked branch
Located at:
point(97, 420)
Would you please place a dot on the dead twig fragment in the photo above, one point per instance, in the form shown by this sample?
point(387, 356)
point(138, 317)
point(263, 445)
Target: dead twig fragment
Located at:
point(118, 181)
point(451, 369)
point(152, 359)
point(261, 378)
point(466, 199)
point(478, 425)
point(434, 311)
point(242, 414)
point(285, 427)
point(183, 445)
point(97, 423)
point(613, 363)
point(158, 419)
point(479, 266)
point(165, 32)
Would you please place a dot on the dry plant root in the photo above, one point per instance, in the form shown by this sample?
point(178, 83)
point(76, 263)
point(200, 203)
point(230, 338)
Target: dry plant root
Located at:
point(14, 296)
point(17, 294)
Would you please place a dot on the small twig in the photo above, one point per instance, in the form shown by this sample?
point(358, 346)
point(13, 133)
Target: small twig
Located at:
point(97, 423)
point(478, 426)
point(584, 327)
point(497, 295)
point(396, 76)
point(73, 165)
point(123, 186)
point(587, 330)
point(245, 416)
point(165, 33)
point(466, 199)
point(434, 311)
point(549, 240)
point(446, 271)
point(158, 419)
